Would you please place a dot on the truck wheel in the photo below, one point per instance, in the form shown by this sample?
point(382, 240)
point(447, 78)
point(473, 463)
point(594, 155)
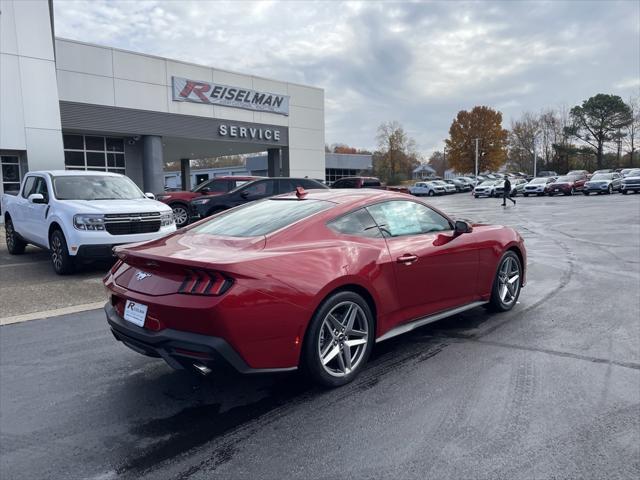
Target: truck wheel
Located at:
point(62, 262)
point(180, 214)
point(15, 244)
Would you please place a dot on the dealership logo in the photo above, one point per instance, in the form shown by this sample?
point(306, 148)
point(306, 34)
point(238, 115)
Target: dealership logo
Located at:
point(142, 275)
point(185, 90)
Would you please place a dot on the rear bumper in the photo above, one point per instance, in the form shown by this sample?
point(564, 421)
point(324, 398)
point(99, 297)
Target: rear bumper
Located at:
point(180, 349)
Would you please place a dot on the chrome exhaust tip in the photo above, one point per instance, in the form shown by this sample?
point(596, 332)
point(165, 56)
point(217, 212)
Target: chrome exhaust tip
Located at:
point(202, 369)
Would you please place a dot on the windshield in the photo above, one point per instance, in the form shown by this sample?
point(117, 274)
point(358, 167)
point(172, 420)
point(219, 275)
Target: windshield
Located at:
point(261, 218)
point(95, 187)
point(602, 176)
point(487, 183)
point(565, 178)
point(538, 180)
point(634, 173)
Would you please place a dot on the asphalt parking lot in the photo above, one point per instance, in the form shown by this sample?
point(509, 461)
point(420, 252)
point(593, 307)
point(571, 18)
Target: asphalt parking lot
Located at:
point(550, 389)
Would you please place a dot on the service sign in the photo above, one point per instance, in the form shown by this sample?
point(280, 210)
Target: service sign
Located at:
point(185, 90)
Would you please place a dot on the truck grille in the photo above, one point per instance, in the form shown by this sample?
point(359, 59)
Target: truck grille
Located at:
point(131, 223)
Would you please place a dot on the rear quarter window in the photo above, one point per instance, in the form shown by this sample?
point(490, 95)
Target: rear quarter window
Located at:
point(359, 223)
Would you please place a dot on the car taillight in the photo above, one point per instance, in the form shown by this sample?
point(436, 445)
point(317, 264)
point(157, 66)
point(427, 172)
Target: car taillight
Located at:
point(202, 282)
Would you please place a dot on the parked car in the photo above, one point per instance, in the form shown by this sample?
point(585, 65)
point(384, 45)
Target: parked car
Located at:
point(80, 216)
point(537, 186)
point(625, 171)
point(547, 173)
point(460, 185)
point(517, 186)
point(603, 183)
point(420, 189)
point(448, 188)
point(631, 182)
point(358, 182)
point(580, 174)
point(208, 205)
point(486, 188)
point(567, 185)
point(469, 181)
point(244, 288)
point(179, 200)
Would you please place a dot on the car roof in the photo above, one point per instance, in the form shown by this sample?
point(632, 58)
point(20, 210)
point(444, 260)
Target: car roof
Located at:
point(74, 173)
point(347, 196)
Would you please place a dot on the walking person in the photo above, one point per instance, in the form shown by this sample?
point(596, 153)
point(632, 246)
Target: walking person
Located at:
point(506, 193)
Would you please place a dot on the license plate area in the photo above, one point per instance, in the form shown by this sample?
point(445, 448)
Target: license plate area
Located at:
point(135, 312)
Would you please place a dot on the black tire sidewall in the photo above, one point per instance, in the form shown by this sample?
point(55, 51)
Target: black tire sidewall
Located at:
point(310, 361)
point(18, 245)
point(186, 209)
point(67, 261)
point(495, 302)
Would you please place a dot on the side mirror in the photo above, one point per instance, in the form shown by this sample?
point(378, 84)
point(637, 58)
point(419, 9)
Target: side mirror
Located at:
point(462, 227)
point(205, 190)
point(36, 198)
point(150, 195)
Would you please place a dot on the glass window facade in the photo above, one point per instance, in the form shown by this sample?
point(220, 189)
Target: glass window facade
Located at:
point(333, 174)
point(94, 153)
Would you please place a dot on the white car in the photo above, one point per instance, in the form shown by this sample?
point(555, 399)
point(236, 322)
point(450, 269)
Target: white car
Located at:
point(79, 215)
point(448, 188)
point(537, 186)
point(486, 188)
point(426, 188)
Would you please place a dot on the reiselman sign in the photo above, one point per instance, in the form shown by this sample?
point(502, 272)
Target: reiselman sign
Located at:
point(185, 90)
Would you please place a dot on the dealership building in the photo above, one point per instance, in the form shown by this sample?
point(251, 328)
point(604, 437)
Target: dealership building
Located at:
point(66, 104)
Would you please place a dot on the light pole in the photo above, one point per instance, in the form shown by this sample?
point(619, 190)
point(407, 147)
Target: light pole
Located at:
point(477, 140)
point(535, 158)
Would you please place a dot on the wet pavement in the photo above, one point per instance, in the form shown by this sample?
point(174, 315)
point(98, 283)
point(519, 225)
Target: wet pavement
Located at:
point(548, 390)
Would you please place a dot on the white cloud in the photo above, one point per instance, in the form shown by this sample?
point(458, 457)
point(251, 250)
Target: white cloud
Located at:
point(418, 63)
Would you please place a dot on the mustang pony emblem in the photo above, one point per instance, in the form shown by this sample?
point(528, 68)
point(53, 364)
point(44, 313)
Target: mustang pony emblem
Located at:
point(142, 275)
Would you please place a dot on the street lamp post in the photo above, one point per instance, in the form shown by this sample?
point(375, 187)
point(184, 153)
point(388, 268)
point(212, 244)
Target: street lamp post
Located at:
point(535, 158)
point(477, 140)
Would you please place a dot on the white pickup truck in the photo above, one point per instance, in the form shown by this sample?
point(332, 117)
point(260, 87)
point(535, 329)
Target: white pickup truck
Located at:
point(80, 216)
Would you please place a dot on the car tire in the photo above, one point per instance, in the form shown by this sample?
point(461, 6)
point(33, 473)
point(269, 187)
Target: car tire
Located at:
point(332, 319)
point(585, 193)
point(609, 190)
point(15, 244)
point(180, 214)
point(525, 194)
point(624, 192)
point(509, 271)
point(62, 262)
point(431, 193)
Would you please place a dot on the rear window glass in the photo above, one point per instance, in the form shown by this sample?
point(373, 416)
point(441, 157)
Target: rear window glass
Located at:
point(261, 218)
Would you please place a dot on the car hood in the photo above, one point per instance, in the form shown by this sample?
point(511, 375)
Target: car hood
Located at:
point(635, 178)
point(138, 205)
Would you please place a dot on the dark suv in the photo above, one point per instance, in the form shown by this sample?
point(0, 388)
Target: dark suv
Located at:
point(358, 182)
point(258, 189)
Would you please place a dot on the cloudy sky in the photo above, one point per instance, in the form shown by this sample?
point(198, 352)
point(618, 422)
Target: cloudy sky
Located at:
point(418, 63)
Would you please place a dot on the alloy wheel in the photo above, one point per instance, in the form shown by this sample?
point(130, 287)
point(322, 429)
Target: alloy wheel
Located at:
point(8, 231)
point(180, 215)
point(56, 252)
point(508, 281)
point(343, 338)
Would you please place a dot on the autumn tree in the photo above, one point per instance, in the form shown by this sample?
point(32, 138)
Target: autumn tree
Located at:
point(598, 121)
point(522, 143)
point(438, 162)
point(484, 124)
point(396, 156)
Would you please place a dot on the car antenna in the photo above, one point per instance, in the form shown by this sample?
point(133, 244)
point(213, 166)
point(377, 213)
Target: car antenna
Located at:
point(300, 193)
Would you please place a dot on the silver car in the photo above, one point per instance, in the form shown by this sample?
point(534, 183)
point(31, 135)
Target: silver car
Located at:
point(631, 182)
point(537, 186)
point(426, 188)
point(603, 183)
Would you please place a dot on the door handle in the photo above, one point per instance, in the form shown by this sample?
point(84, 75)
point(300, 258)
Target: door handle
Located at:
point(407, 259)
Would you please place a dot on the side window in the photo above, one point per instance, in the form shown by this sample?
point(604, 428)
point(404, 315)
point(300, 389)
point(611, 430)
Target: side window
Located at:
point(371, 183)
point(41, 187)
point(310, 184)
point(346, 183)
point(259, 189)
point(359, 223)
point(287, 185)
point(400, 217)
point(29, 186)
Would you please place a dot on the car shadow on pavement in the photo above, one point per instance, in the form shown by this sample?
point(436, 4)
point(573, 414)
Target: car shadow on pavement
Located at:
point(209, 408)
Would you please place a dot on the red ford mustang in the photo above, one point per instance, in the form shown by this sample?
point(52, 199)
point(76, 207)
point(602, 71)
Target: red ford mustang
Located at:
point(309, 280)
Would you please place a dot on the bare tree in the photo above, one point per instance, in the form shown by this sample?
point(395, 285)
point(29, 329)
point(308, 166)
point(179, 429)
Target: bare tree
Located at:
point(632, 130)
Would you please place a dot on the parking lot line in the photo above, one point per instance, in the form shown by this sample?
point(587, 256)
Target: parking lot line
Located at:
point(51, 313)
